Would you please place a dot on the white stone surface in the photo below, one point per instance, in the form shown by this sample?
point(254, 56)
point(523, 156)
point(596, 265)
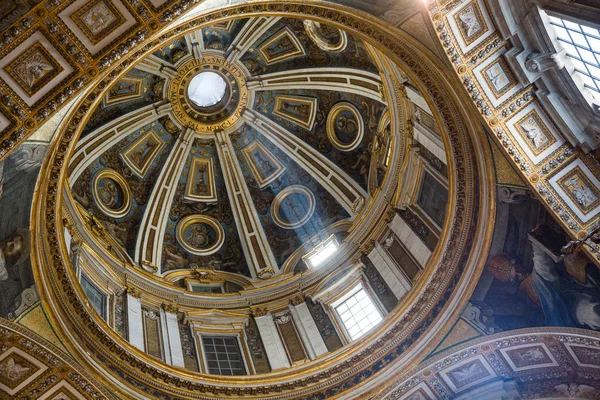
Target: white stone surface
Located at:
point(311, 337)
point(411, 241)
point(272, 341)
point(134, 322)
point(430, 141)
point(389, 271)
point(172, 339)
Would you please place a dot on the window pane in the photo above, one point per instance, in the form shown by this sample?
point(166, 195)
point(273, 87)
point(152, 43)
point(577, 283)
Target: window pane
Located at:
point(361, 316)
point(94, 295)
point(433, 198)
point(223, 355)
point(582, 44)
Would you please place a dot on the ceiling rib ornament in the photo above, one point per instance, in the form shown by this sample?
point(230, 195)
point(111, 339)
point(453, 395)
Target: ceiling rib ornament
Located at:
point(157, 66)
point(254, 241)
point(97, 142)
point(462, 235)
point(81, 49)
point(326, 37)
point(148, 252)
point(344, 80)
point(346, 191)
point(522, 127)
point(248, 36)
point(195, 43)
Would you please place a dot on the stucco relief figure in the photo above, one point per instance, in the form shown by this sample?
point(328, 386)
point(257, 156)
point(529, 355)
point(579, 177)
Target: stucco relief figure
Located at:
point(565, 300)
point(534, 354)
point(469, 21)
point(199, 236)
point(12, 370)
point(497, 77)
point(581, 192)
point(173, 260)
point(34, 68)
point(98, 18)
point(465, 372)
point(534, 133)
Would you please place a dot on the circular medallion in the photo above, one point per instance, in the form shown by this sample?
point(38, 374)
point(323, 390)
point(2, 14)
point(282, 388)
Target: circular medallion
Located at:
point(111, 193)
point(200, 235)
point(326, 37)
point(208, 94)
point(293, 207)
point(345, 126)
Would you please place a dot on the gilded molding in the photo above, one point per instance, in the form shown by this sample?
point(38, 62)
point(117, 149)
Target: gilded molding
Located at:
point(423, 304)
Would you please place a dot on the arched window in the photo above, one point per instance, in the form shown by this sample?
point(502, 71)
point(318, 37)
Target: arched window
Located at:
point(582, 44)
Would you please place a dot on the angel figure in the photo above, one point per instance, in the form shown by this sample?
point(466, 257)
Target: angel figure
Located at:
point(583, 194)
point(35, 68)
point(469, 21)
point(12, 370)
point(533, 133)
point(575, 391)
point(465, 372)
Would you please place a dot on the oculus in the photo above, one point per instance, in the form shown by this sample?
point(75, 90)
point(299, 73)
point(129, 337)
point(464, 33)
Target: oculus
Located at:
point(200, 235)
point(111, 193)
point(207, 89)
point(293, 207)
point(218, 116)
point(345, 126)
point(326, 37)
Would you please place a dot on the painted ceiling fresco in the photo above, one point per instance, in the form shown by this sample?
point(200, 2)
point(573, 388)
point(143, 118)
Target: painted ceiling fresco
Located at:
point(135, 90)
point(147, 148)
point(354, 162)
point(288, 42)
point(292, 206)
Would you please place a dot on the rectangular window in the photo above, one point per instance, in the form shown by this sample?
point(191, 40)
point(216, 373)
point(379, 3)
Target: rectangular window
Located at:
point(201, 288)
point(223, 355)
point(433, 198)
point(357, 312)
point(95, 296)
point(322, 252)
point(582, 45)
